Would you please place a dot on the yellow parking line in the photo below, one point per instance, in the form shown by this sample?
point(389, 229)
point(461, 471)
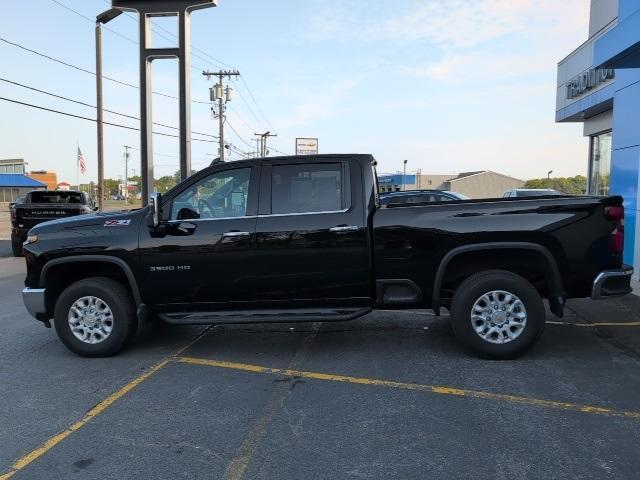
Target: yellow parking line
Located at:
point(241, 460)
point(94, 412)
point(440, 390)
point(30, 457)
point(601, 324)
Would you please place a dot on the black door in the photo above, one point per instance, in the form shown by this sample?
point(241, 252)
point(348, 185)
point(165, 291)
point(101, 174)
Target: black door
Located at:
point(206, 256)
point(311, 235)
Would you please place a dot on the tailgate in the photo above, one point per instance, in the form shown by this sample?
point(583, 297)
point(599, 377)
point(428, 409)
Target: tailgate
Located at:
point(30, 215)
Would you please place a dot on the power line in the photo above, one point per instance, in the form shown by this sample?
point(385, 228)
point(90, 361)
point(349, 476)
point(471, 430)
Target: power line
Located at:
point(92, 21)
point(193, 47)
point(66, 64)
point(244, 100)
point(79, 102)
point(238, 135)
point(246, 124)
point(59, 112)
point(170, 155)
point(217, 63)
point(254, 101)
point(283, 153)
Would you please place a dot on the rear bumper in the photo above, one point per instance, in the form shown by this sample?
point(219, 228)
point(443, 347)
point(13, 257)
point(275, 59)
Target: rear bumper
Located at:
point(33, 299)
point(612, 283)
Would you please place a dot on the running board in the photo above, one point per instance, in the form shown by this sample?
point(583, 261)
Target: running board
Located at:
point(264, 316)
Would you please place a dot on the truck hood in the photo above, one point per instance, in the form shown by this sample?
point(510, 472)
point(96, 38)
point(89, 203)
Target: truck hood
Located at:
point(93, 221)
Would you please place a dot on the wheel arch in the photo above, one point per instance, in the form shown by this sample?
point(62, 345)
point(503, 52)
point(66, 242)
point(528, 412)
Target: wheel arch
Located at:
point(550, 269)
point(92, 265)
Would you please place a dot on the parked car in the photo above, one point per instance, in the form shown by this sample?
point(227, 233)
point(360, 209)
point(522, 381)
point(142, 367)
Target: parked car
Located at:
point(305, 239)
point(420, 196)
point(531, 192)
point(40, 206)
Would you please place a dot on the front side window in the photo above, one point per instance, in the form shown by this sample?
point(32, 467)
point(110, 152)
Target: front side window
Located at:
point(219, 195)
point(600, 164)
point(306, 188)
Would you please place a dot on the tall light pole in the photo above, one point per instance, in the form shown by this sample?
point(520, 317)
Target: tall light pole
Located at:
point(404, 174)
point(147, 10)
point(104, 17)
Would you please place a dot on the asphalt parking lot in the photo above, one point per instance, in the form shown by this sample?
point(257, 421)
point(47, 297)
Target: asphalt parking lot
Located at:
point(391, 395)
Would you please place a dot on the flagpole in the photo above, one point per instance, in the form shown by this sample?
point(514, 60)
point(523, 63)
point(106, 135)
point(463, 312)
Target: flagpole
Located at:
point(78, 165)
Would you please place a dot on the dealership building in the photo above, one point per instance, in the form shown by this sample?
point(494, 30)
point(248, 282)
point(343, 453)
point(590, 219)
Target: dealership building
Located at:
point(599, 85)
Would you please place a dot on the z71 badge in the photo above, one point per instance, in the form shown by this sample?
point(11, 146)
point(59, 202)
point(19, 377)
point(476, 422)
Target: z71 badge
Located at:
point(117, 223)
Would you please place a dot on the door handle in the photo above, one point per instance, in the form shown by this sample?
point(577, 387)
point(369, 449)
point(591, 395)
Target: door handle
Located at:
point(344, 228)
point(235, 233)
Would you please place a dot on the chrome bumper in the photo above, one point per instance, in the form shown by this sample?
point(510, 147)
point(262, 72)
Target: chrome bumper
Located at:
point(612, 283)
point(33, 299)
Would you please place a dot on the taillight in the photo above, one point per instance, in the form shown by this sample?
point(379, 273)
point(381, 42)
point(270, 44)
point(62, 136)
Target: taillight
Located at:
point(616, 214)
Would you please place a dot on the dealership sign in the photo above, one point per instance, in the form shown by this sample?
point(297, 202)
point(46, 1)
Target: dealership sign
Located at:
point(588, 80)
point(306, 146)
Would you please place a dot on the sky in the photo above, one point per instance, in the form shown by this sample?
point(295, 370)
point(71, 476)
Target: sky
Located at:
point(448, 85)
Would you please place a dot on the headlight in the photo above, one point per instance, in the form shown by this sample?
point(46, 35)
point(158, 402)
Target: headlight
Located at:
point(31, 239)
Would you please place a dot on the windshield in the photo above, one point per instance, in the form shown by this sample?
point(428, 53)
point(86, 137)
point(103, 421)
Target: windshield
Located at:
point(56, 197)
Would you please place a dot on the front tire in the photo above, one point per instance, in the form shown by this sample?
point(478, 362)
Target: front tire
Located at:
point(95, 317)
point(497, 314)
point(16, 246)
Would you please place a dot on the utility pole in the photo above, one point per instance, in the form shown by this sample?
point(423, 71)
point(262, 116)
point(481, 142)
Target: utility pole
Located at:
point(126, 171)
point(222, 96)
point(263, 142)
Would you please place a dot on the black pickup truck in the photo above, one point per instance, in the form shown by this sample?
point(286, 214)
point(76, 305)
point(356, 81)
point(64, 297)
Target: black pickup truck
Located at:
point(41, 206)
point(294, 239)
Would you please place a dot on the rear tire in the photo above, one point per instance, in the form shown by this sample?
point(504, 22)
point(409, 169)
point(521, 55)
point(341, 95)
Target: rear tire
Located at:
point(16, 246)
point(95, 317)
point(497, 314)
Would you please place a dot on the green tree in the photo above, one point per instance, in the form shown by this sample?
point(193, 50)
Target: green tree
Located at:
point(570, 185)
point(111, 186)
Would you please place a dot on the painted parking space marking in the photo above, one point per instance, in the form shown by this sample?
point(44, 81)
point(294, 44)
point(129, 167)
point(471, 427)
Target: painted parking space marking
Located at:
point(91, 414)
point(595, 325)
point(435, 389)
point(238, 465)
point(50, 443)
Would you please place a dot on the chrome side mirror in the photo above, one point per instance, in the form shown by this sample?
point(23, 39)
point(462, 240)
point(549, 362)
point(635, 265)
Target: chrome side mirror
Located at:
point(155, 209)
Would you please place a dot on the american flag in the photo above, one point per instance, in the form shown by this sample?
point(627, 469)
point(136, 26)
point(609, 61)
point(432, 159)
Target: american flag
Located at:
point(83, 166)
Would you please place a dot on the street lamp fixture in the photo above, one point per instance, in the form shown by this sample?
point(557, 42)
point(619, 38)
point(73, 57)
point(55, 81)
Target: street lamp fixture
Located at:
point(404, 174)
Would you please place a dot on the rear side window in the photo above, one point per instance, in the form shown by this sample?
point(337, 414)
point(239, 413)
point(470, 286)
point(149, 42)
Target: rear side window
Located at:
point(307, 188)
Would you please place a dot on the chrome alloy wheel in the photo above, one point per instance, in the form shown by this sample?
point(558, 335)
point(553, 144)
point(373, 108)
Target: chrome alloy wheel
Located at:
point(498, 316)
point(90, 319)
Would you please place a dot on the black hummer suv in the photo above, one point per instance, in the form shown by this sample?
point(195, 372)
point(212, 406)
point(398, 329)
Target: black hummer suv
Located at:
point(41, 206)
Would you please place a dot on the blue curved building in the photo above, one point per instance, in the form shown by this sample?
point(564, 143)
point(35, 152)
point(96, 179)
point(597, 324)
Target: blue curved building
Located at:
point(599, 85)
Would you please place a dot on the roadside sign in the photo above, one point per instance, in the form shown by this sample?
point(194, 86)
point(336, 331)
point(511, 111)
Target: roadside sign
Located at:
point(306, 146)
